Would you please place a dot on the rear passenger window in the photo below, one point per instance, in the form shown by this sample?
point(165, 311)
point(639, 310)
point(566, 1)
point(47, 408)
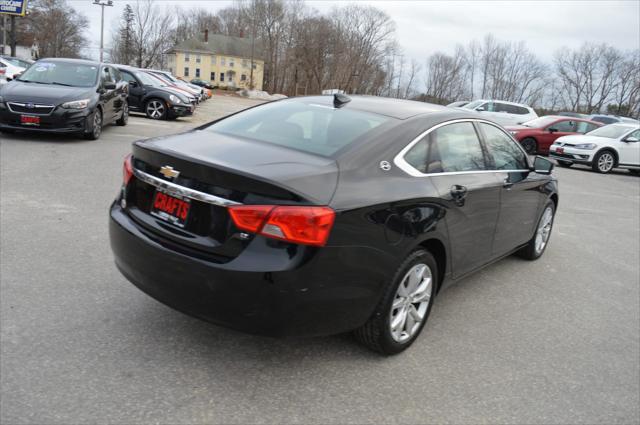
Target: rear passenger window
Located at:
point(564, 126)
point(584, 127)
point(506, 154)
point(450, 148)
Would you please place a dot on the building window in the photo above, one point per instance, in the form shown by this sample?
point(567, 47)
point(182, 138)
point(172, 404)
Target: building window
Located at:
point(213, 76)
point(222, 76)
point(245, 63)
point(231, 64)
point(213, 60)
point(186, 57)
point(197, 72)
point(243, 77)
point(255, 66)
point(186, 71)
point(198, 59)
point(170, 70)
point(222, 61)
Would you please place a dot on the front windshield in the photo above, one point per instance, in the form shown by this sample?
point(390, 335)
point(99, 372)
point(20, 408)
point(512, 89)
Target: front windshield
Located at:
point(540, 122)
point(611, 131)
point(474, 104)
point(17, 62)
point(149, 80)
point(61, 73)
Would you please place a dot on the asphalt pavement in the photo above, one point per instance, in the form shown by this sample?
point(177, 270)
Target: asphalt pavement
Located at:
point(551, 341)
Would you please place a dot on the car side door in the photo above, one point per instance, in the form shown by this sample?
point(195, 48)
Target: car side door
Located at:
point(457, 166)
point(629, 149)
point(107, 94)
point(521, 196)
point(121, 90)
point(563, 127)
point(136, 90)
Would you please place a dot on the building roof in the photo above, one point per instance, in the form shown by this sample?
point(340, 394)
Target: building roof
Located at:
point(221, 45)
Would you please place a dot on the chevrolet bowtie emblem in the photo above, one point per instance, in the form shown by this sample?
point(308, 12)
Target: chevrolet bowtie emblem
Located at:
point(169, 172)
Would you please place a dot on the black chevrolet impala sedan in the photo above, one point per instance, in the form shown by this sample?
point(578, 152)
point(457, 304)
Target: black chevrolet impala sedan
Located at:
point(321, 215)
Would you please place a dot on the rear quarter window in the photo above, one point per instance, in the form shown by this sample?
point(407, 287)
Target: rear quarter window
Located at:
point(313, 128)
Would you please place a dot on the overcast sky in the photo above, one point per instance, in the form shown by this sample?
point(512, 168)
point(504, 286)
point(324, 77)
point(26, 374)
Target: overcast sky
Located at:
point(424, 27)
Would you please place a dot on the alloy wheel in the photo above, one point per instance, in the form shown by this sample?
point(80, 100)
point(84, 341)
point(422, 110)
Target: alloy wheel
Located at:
point(544, 229)
point(97, 124)
point(605, 162)
point(155, 109)
point(411, 302)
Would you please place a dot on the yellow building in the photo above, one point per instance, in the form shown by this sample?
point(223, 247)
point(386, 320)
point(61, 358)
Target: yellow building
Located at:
point(222, 60)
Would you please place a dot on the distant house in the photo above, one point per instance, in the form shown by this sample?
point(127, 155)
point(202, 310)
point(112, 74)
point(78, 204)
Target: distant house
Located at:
point(222, 60)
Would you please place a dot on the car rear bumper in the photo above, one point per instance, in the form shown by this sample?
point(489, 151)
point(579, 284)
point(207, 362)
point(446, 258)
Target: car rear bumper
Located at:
point(268, 289)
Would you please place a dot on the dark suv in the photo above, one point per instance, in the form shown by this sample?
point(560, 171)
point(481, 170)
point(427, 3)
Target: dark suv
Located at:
point(64, 96)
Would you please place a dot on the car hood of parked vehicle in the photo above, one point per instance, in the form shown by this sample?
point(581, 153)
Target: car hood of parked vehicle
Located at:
point(582, 138)
point(17, 91)
point(519, 127)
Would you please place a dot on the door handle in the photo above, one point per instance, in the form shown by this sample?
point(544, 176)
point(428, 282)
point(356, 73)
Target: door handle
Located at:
point(507, 184)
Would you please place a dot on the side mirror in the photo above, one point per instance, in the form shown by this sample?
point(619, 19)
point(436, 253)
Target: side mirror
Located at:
point(18, 75)
point(552, 130)
point(542, 165)
point(631, 139)
point(480, 108)
point(109, 85)
point(133, 84)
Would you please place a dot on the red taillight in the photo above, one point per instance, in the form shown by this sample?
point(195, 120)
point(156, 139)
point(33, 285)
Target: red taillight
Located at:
point(303, 225)
point(127, 170)
point(250, 217)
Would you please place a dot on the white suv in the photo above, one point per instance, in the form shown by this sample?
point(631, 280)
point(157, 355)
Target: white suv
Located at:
point(614, 145)
point(504, 113)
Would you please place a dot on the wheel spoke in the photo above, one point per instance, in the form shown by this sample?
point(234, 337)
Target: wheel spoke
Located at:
point(397, 303)
point(423, 292)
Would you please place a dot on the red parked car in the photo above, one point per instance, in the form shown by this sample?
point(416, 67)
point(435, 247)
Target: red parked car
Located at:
point(537, 135)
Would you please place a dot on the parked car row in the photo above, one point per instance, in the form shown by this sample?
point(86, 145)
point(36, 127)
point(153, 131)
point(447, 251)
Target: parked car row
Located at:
point(603, 142)
point(80, 96)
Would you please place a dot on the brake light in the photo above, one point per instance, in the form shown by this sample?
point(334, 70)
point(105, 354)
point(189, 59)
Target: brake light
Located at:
point(127, 170)
point(296, 224)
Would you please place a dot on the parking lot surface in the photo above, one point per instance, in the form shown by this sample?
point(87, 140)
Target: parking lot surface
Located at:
point(551, 341)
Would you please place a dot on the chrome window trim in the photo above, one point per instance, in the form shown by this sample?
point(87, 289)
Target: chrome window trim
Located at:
point(35, 106)
point(176, 189)
point(400, 162)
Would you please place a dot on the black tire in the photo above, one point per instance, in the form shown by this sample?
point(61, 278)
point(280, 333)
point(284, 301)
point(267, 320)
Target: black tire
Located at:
point(376, 333)
point(529, 252)
point(604, 161)
point(156, 109)
point(96, 126)
point(7, 130)
point(566, 164)
point(124, 118)
point(530, 145)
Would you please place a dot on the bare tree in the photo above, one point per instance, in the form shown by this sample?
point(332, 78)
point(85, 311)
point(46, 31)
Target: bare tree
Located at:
point(152, 30)
point(56, 27)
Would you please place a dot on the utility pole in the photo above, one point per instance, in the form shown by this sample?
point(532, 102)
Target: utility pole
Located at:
point(102, 3)
point(13, 36)
point(4, 34)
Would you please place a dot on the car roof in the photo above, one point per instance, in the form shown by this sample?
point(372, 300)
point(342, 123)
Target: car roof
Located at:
point(570, 118)
point(67, 60)
point(502, 101)
point(395, 108)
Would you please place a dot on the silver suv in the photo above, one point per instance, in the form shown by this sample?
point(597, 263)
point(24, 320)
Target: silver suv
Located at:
point(502, 112)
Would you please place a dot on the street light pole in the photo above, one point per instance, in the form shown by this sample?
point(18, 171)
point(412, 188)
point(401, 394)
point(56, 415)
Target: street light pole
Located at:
point(102, 3)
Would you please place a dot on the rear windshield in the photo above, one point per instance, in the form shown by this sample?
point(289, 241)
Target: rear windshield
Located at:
point(313, 128)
